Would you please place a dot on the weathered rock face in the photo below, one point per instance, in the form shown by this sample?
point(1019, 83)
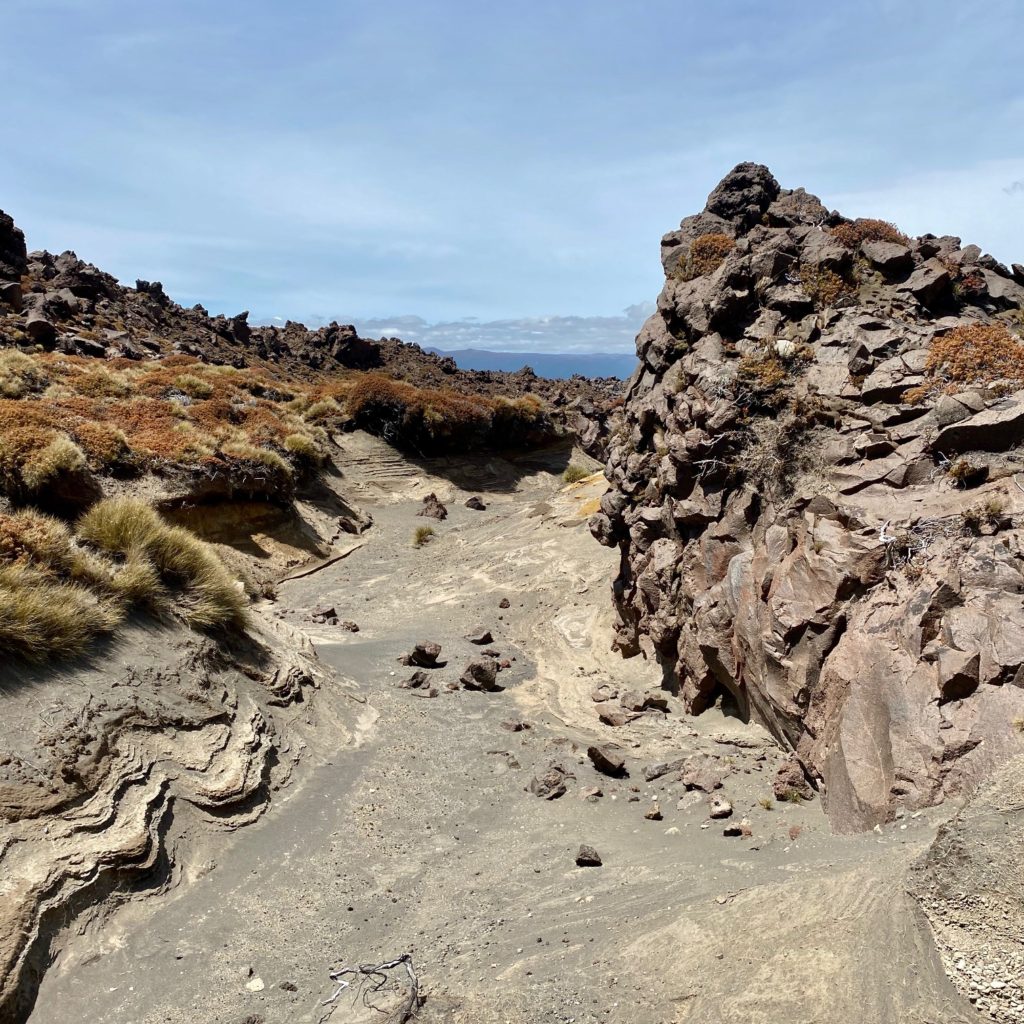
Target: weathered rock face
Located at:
point(843, 564)
point(13, 258)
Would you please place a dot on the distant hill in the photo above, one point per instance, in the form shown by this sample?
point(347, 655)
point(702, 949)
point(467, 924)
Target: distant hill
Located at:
point(556, 365)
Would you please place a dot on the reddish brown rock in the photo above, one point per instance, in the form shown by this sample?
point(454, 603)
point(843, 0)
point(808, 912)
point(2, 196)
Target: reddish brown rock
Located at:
point(607, 759)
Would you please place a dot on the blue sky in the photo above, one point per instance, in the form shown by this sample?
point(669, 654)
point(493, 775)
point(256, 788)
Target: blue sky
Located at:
point(447, 160)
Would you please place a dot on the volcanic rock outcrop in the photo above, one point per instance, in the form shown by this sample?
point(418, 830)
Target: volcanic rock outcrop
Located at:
point(813, 491)
point(63, 304)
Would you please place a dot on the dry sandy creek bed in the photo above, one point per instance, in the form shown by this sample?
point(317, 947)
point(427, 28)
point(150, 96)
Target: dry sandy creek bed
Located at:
point(413, 830)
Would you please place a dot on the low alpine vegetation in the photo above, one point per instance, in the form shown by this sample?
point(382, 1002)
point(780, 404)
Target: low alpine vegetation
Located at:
point(422, 535)
point(704, 256)
point(63, 415)
point(62, 589)
point(431, 420)
point(574, 473)
point(867, 229)
point(977, 355)
point(157, 556)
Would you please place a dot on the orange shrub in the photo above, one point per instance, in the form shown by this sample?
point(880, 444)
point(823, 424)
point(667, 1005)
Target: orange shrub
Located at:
point(704, 256)
point(977, 355)
point(867, 229)
point(434, 419)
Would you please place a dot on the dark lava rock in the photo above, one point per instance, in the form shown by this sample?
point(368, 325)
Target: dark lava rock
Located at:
point(551, 784)
point(607, 759)
point(480, 637)
point(481, 675)
point(588, 857)
point(791, 783)
point(416, 680)
point(476, 504)
point(515, 725)
point(432, 508)
point(425, 654)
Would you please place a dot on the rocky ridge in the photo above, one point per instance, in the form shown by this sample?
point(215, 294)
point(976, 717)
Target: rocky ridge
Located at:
point(813, 492)
point(64, 304)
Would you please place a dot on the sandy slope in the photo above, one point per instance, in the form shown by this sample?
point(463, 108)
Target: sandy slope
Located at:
point(417, 833)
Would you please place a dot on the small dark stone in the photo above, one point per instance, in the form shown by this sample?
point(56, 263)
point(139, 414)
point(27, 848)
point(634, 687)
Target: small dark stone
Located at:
point(433, 508)
point(588, 857)
point(515, 725)
point(550, 785)
point(504, 603)
point(480, 637)
point(476, 504)
point(481, 675)
point(425, 654)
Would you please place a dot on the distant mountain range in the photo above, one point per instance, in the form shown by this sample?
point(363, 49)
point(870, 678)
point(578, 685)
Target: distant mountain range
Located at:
point(556, 365)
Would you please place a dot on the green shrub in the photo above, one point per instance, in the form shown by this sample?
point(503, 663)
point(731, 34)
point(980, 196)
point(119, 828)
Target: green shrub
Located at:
point(574, 473)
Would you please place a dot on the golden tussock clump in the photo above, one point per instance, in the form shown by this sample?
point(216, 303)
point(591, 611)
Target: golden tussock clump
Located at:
point(203, 591)
point(573, 473)
point(41, 619)
point(60, 590)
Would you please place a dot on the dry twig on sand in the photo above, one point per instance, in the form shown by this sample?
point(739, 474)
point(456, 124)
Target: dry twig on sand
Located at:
point(368, 980)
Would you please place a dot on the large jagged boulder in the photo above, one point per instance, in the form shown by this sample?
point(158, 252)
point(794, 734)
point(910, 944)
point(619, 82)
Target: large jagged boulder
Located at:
point(13, 257)
point(813, 493)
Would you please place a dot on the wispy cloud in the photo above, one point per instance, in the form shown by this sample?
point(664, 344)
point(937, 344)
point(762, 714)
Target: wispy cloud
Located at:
point(499, 161)
point(571, 334)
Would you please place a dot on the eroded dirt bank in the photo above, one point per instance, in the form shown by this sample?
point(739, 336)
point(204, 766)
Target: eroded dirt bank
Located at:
point(415, 828)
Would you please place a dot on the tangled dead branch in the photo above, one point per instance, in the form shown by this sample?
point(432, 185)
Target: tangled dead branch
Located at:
point(368, 982)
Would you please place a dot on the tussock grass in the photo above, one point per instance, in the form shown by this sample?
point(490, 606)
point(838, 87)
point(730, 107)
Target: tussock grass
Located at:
point(199, 587)
point(19, 375)
point(41, 619)
point(47, 545)
point(60, 456)
point(304, 448)
point(573, 473)
point(422, 535)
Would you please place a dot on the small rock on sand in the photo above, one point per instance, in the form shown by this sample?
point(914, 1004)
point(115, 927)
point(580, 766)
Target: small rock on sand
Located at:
point(607, 759)
point(481, 675)
point(588, 857)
